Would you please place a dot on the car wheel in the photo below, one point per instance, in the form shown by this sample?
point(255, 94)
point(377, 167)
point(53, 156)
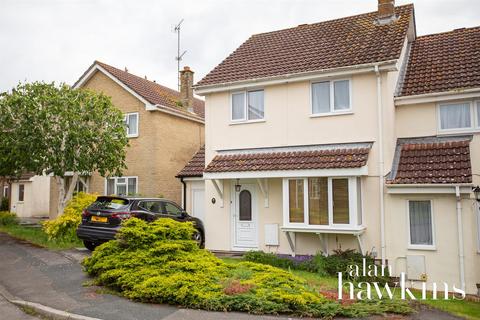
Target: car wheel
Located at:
point(198, 237)
point(90, 245)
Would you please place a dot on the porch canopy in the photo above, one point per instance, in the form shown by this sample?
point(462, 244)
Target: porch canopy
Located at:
point(317, 169)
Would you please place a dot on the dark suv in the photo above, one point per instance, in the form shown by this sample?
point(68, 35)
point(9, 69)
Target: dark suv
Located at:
point(102, 219)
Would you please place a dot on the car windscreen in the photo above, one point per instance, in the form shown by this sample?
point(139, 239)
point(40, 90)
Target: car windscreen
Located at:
point(110, 203)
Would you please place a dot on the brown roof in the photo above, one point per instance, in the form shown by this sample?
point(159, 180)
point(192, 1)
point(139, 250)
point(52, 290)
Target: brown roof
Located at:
point(154, 92)
point(432, 161)
point(195, 166)
point(442, 62)
point(312, 47)
point(326, 158)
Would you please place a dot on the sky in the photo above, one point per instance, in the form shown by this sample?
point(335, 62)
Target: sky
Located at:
point(57, 40)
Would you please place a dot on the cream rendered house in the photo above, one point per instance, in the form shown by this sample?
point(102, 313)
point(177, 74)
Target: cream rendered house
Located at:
point(342, 134)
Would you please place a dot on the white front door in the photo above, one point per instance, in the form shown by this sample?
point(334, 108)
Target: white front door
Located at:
point(198, 205)
point(245, 218)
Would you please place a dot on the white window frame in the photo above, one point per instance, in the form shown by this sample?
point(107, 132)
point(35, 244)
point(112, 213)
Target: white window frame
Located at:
point(18, 193)
point(5, 191)
point(411, 246)
point(474, 123)
point(352, 199)
point(126, 183)
point(127, 122)
point(332, 97)
point(245, 107)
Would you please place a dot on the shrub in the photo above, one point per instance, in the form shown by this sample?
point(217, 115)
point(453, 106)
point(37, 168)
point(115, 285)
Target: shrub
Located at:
point(158, 262)
point(64, 226)
point(4, 204)
point(7, 218)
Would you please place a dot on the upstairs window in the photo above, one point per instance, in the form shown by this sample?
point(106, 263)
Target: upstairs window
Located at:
point(131, 121)
point(459, 116)
point(248, 106)
point(331, 97)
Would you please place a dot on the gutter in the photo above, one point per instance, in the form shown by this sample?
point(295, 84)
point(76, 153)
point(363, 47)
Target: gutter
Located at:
point(461, 254)
point(437, 96)
point(158, 107)
point(389, 65)
point(381, 181)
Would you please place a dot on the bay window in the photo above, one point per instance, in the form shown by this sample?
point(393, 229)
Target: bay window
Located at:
point(121, 186)
point(322, 202)
point(247, 106)
point(331, 97)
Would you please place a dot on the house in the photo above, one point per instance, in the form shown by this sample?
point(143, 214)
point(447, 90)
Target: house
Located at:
point(350, 133)
point(164, 126)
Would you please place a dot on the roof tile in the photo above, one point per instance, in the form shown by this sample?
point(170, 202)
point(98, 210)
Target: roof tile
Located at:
point(326, 45)
point(195, 166)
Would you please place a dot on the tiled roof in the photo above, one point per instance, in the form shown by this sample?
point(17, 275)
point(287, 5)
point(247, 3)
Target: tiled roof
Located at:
point(154, 92)
point(195, 166)
point(322, 158)
point(312, 47)
point(443, 62)
point(432, 161)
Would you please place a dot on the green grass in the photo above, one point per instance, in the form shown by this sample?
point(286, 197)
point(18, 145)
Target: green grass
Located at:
point(38, 236)
point(462, 308)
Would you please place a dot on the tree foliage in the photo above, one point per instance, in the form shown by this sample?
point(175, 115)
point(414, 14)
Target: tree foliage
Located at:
point(50, 129)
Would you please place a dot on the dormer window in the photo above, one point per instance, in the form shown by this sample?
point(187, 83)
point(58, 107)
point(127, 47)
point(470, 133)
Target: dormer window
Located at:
point(330, 97)
point(131, 121)
point(248, 106)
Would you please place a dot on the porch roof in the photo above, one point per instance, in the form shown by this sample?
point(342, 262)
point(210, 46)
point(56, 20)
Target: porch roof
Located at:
point(277, 162)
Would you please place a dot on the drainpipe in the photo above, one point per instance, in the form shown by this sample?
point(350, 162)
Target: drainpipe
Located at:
point(380, 163)
point(461, 255)
point(184, 194)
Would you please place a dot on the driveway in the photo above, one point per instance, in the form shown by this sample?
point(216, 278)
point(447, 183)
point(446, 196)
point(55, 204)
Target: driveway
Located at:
point(55, 279)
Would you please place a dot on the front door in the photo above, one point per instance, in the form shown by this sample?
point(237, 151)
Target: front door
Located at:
point(245, 218)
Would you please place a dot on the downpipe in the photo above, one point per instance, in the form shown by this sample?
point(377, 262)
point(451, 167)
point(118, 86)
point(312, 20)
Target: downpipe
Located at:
point(461, 254)
point(380, 164)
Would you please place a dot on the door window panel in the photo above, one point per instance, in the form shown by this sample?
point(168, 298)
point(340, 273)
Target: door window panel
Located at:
point(245, 205)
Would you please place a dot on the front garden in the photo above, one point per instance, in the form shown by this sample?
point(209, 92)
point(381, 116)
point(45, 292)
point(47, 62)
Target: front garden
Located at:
point(157, 262)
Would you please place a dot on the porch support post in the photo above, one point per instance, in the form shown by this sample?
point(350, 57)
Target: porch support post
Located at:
point(360, 243)
point(218, 184)
point(84, 182)
point(291, 241)
point(324, 242)
point(263, 184)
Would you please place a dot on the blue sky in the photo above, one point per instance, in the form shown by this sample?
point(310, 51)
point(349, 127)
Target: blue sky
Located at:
point(56, 40)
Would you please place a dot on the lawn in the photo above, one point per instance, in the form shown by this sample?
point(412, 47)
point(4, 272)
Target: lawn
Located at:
point(37, 236)
point(461, 308)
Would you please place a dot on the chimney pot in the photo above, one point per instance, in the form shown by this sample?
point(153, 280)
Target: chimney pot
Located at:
point(386, 11)
point(186, 88)
point(126, 70)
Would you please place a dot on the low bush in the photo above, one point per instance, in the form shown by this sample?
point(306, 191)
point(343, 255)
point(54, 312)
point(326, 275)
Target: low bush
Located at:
point(330, 265)
point(7, 218)
point(64, 226)
point(158, 262)
point(4, 204)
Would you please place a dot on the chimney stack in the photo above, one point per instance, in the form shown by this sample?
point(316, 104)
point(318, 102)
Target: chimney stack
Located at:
point(186, 88)
point(386, 11)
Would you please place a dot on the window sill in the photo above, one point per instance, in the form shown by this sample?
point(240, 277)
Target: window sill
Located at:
point(457, 131)
point(422, 248)
point(335, 230)
point(329, 114)
point(132, 136)
point(247, 122)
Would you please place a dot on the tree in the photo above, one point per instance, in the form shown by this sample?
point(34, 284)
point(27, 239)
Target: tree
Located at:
point(50, 129)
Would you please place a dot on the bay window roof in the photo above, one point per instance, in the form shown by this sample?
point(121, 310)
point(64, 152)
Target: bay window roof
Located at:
point(334, 156)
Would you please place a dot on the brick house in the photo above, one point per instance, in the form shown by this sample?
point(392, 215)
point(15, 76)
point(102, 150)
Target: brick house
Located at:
point(350, 133)
point(164, 126)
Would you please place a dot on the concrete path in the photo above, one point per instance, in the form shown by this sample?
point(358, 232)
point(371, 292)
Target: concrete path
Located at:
point(56, 280)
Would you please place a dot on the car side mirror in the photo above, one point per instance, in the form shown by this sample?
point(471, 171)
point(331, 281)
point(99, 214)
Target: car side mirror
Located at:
point(184, 214)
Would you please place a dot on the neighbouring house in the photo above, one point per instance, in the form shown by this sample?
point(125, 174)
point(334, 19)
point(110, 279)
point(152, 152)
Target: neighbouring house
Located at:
point(349, 133)
point(30, 195)
point(164, 126)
